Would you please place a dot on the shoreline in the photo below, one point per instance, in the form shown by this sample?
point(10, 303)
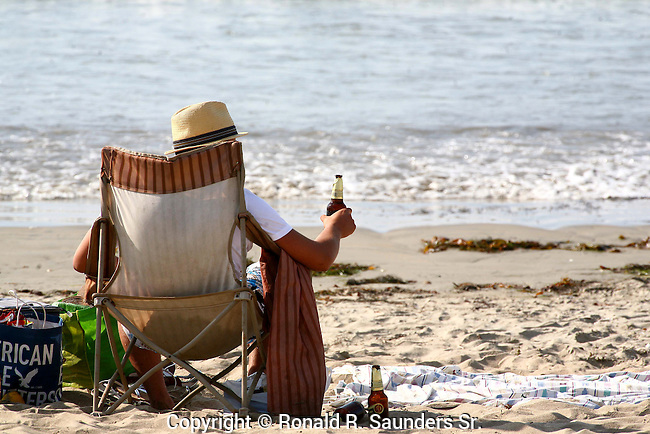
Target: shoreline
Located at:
point(483, 312)
point(379, 216)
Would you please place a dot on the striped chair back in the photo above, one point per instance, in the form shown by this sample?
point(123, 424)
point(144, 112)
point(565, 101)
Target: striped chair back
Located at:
point(173, 219)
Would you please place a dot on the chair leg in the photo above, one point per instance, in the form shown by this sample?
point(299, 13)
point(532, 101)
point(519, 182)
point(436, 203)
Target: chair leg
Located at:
point(111, 381)
point(258, 335)
point(200, 387)
point(98, 347)
point(134, 387)
point(244, 298)
point(205, 381)
point(243, 411)
point(98, 305)
point(116, 360)
point(168, 356)
point(197, 374)
point(251, 389)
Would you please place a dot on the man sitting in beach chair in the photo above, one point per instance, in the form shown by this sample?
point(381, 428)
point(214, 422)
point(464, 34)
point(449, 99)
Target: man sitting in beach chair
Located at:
point(209, 124)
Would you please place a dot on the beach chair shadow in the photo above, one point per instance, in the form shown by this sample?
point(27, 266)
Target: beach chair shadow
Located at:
point(168, 229)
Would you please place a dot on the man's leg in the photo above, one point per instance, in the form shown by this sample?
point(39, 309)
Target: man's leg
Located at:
point(143, 360)
point(255, 360)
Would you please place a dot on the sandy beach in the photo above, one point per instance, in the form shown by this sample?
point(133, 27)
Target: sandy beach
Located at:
point(512, 124)
point(530, 312)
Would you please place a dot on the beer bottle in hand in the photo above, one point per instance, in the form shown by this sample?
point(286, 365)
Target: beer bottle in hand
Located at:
point(377, 401)
point(337, 196)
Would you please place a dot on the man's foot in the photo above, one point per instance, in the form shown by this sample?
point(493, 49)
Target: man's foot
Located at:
point(166, 403)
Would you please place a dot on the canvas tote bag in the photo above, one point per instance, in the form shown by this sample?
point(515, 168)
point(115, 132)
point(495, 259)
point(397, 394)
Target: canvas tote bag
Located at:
point(30, 356)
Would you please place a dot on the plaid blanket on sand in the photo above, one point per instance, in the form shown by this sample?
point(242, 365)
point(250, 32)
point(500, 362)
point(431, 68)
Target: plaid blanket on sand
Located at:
point(424, 385)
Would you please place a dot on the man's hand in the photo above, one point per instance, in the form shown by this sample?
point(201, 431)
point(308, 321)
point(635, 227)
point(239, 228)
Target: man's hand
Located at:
point(341, 221)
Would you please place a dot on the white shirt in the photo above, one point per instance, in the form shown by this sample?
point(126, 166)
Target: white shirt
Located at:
point(269, 220)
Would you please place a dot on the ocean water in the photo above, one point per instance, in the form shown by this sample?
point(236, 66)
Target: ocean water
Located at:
point(527, 112)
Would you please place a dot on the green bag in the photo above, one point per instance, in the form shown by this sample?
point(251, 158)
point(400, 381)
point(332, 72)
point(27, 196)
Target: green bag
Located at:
point(79, 323)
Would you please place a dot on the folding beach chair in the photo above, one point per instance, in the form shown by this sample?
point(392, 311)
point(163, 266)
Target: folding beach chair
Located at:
point(167, 230)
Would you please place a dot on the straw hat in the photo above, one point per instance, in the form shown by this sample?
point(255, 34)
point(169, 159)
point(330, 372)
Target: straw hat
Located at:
point(198, 125)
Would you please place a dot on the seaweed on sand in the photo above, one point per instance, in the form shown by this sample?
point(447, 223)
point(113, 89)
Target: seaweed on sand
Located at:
point(643, 244)
point(388, 278)
point(565, 286)
point(569, 286)
point(343, 270)
point(636, 269)
point(55, 292)
point(469, 286)
point(356, 288)
point(487, 245)
point(585, 247)
point(498, 245)
point(366, 294)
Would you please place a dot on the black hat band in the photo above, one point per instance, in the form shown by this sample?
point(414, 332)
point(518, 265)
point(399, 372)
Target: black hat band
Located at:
point(206, 138)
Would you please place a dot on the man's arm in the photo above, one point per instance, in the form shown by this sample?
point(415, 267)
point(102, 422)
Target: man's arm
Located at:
point(81, 255)
point(319, 254)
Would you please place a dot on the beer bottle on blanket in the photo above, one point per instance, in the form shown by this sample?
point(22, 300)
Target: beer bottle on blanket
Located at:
point(336, 202)
point(352, 411)
point(377, 401)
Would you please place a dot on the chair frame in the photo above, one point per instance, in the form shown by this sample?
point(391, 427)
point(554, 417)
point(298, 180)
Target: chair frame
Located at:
point(242, 297)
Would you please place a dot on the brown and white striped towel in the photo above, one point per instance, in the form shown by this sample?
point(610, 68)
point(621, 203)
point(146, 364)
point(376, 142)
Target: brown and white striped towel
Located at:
point(295, 368)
